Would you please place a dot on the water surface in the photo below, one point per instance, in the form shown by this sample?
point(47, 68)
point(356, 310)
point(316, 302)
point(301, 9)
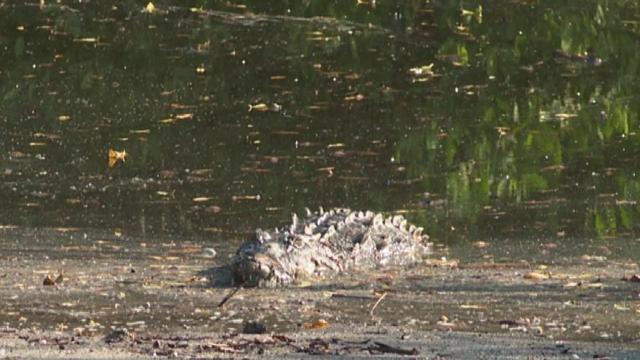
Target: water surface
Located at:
point(504, 124)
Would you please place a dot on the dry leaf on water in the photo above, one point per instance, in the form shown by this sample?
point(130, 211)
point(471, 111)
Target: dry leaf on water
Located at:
point(258, 107)
point(115, 155)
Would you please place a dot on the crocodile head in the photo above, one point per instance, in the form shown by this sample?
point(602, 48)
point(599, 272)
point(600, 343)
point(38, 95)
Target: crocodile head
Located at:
point(262, 262)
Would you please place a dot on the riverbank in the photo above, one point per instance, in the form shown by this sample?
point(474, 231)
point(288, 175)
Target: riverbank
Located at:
point(128, 301)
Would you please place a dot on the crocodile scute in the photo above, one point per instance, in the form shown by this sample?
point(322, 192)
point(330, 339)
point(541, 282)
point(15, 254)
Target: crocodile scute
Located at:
point(326, 242)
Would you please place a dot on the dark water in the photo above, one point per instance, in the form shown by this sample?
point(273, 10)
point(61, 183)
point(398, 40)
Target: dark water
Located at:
point(479, 121)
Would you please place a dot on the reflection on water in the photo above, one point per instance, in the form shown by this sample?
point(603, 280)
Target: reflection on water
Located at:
point(501, 122)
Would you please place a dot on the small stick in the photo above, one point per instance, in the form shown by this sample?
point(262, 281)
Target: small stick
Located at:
point(382, 347)
point(226, 298)
point(377, 302)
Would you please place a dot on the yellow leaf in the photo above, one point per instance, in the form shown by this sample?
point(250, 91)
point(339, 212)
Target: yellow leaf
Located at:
point(186, 116)
point(150, 8)
point(115, 155)
point(259, 107)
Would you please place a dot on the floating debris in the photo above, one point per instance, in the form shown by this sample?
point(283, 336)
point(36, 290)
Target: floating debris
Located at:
point(150, 8)
point(245, 197)
point(262, 107)
point(115, 156)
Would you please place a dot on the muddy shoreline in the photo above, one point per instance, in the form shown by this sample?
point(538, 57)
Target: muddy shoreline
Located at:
point(163, 299)
point(343, 341)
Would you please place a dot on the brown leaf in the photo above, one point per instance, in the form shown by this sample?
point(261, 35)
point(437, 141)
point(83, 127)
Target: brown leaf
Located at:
point(318, 324)
point(115, 155)
point(536, 276)
point(48, 281)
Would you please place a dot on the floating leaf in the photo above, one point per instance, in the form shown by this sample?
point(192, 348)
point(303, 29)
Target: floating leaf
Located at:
point(141, 131)
point(245, 197)
point(186, 116)
point(150, 8)
point(115, 155)
point(86, 40)
point(259, 107)
point(356, 97)
point(425, 70)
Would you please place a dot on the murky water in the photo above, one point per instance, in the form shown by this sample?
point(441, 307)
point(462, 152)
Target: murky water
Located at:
point(481, 122)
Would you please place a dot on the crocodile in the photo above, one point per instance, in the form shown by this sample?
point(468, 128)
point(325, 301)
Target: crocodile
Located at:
point(326, 242)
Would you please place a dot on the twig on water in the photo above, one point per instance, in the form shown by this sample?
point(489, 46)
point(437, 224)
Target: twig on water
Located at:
point(377, 303)
point(226, 298)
